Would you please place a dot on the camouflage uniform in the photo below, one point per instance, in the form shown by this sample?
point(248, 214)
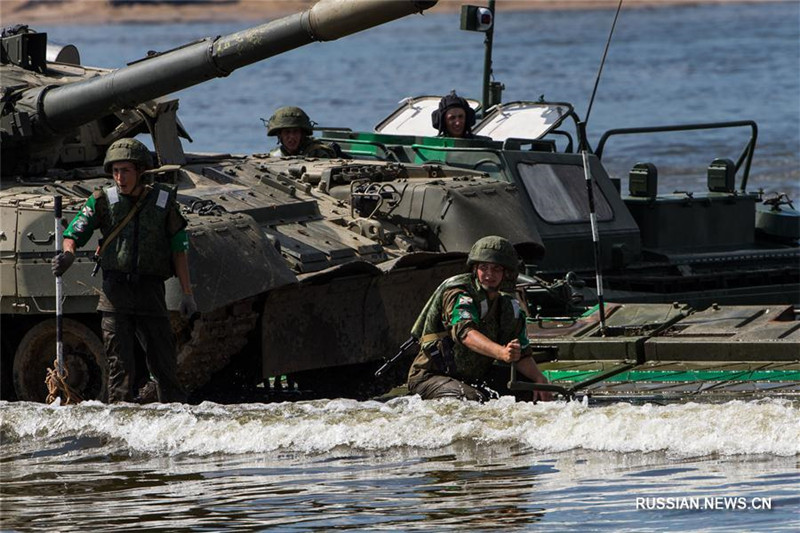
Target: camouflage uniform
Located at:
point(445, 367)
point(294, 117)
point(135, 265)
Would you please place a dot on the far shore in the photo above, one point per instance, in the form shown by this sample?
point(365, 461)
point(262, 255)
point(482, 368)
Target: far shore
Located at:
point(101, 12)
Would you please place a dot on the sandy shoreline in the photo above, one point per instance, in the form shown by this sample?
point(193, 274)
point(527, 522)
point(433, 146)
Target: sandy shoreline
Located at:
point(100, 11)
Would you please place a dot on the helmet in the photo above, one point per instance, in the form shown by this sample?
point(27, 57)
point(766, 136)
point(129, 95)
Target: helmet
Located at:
point(289, 117)
point(448, 102)
point(127, 150)
point(494, 249)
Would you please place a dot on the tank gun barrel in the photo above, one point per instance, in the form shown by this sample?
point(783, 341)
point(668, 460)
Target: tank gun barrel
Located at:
point(69, 106)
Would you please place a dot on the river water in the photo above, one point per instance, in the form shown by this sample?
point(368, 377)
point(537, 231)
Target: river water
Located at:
point(404, 464)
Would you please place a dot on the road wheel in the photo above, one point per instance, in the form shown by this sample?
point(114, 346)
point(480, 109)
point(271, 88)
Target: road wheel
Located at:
point(83, 357)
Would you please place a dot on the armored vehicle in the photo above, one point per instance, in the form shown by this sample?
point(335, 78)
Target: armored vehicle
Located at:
point(314, 268)
point(716, 244)
point(298, 268)
point(293, 269)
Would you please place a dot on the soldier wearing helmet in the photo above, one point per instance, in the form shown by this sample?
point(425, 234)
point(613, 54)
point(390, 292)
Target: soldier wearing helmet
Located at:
point(144, 242)
point(454, 117)
point(293, 128)
point(469, 323)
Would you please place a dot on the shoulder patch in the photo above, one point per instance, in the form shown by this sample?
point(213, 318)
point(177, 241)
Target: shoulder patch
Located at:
point(161, 201)
point(112, 194)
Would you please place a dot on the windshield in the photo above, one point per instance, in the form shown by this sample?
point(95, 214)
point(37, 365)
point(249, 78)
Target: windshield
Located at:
point(558, 193)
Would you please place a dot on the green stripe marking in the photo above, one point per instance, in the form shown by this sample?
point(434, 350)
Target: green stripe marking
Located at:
point(679, 375)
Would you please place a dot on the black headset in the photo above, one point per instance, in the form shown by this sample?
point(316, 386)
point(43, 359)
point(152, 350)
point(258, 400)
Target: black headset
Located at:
point(448, 102)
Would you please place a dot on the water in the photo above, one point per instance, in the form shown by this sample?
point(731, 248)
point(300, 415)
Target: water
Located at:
point(408, 465)
point(667, 65)
point(402, 465)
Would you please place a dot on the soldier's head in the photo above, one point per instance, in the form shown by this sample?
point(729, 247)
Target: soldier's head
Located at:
point(290, 124)
point(454, 117)
point(126, 160)
point(493, 261)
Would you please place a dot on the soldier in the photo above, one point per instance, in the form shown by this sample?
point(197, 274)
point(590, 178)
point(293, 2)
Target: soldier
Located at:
point(469, 323)
point(454, 117)
point(144, 243)
point(293, 128)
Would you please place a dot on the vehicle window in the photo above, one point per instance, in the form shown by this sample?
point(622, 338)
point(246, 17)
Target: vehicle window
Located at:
point(558, 193)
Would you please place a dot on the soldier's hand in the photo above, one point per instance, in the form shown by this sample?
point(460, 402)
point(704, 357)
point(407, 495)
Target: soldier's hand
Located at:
point(188, 306)
point(62, 262)
point(512, 352)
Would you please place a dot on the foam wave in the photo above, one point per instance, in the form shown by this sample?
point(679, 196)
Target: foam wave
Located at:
point(691, 429)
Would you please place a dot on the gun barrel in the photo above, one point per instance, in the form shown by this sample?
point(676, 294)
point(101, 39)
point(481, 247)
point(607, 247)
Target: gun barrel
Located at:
point(68, 106)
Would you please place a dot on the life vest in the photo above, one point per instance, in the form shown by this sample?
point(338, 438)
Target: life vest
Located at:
point(143, 245)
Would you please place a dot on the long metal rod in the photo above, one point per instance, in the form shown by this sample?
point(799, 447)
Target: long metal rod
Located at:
point(603, 61)
point(598, 265)
point(487, 59)
point(584, 149)
point(59, 290)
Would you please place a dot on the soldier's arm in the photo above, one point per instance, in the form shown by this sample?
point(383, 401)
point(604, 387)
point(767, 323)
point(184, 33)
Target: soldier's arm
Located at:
point(480, 343)
point(179, 244)
point(69, 245)
point(464, 319)
point(527, 364)
point(181, 262)
point(528, 368)
point(82, 226)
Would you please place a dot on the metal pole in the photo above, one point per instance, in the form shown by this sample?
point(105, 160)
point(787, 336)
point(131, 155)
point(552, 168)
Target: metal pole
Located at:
point(487, 60)
point(59, 290)
point(598, 266)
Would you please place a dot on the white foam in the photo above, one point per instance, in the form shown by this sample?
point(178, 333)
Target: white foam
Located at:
point(690, 429)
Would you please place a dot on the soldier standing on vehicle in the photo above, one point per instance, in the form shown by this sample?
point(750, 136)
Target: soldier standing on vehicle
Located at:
point(144, 243)
point(293, 128)
point(454, 117)
point(468, 324)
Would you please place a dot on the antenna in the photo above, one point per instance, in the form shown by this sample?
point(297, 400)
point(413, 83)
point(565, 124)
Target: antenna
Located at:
point(584, 148)
point(603, 61)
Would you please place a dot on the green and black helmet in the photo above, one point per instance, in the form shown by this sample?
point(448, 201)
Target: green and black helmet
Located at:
point(128, 150)
point(494, 249)
point(289, 117)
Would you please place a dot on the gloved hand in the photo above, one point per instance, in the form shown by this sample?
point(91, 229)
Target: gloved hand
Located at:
point(188, 306)
point(62, 262)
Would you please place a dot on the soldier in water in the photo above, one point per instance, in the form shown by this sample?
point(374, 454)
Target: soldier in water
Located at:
point(145, 243)
point(469, 323)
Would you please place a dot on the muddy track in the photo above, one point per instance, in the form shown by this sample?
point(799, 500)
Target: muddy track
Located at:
point(215, 338)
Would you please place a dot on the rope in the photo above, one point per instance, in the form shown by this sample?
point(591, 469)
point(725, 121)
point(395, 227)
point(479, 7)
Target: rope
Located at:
point(57, 386)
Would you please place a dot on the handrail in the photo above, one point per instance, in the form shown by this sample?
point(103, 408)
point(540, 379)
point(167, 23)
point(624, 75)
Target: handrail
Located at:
point(745, 158)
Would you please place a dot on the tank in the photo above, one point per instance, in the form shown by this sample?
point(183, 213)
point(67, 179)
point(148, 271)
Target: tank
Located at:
point(306, 271)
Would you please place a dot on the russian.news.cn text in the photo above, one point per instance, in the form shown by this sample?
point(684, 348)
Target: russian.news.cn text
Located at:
point(699, 503)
